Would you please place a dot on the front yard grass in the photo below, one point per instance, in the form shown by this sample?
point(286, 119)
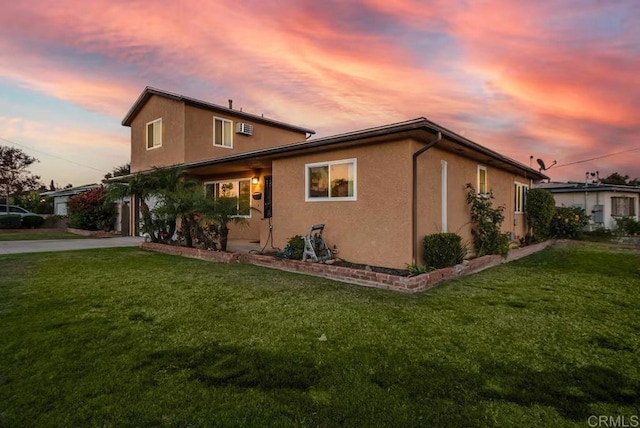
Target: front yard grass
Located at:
point(124, 337)
point(35, 235)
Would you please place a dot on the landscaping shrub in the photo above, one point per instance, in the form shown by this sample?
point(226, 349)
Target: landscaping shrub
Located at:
point(294, 249)
point(627, 226)
point(486, 220)
point(91, 210)
point(10, 221)
point(540, 209)
point(568, 222)
point(442, 250)
point(35, 203)
point(32, 221)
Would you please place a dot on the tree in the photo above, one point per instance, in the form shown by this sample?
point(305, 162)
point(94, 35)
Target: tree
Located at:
point(91, 210)
point(224, 211)
point(52, 186)
point(14, 172)
point(615, 178)
point(540, 210)
point(118, 171)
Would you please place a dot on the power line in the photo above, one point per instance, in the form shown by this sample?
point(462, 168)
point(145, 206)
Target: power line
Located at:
point(598, 157)
point(53, 156)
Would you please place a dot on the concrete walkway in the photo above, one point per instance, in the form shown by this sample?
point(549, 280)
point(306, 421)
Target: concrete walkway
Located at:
point(15, 247)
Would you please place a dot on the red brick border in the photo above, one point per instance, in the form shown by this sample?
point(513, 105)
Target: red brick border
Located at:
point(366, 278)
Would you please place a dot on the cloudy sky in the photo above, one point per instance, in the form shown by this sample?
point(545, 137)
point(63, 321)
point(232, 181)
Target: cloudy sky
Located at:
point(553, 79)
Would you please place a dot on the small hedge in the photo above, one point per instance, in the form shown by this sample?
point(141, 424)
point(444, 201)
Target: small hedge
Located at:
point(442, 250)
point(294, 249)
point(10, 221)
point(32, 221)
point(628, 226)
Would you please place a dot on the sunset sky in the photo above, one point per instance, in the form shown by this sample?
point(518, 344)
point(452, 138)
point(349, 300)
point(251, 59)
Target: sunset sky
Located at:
point(557, 80)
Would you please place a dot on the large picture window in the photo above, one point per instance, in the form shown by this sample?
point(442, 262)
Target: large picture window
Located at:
point(331, 181)
point(520, 192)
point(623, 207)
point(240, 189)
point(154, 134)
point(222, 132)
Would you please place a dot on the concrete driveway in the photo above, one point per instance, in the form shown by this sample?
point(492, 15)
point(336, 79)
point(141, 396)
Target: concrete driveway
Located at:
point(15, 247)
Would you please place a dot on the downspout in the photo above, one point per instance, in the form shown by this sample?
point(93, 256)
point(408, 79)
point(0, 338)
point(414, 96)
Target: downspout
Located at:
point(414, 197)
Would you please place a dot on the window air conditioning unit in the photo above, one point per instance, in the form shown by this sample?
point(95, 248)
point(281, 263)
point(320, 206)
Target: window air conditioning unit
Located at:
point(244, 128)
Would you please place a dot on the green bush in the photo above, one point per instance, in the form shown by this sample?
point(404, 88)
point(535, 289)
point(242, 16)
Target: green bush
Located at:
point(32, 221)
point(442, 250)
point(91, 210)
point(540, 209)
point(486, 221)
point(294, 249)
point(568, 222)
point(627, 226)
point(10, 221)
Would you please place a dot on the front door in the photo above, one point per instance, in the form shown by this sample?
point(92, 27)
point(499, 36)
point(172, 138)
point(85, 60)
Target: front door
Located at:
point(268, 185)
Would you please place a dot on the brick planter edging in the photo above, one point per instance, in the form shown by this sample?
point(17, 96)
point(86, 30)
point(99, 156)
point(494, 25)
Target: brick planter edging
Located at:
point(366, 278)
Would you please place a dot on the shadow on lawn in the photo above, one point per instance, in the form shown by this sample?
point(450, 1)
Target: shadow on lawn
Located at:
point(571, 392)
point(215, 365)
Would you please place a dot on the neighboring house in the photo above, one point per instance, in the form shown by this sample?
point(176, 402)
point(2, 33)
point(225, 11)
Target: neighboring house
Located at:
point(61, 197)
point(603, 202)
point(379, 191)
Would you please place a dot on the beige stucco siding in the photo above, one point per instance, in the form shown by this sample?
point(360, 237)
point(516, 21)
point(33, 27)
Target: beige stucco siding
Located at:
point(374, 229)
point(172, 150)
point(199, 134)
point(460, 171)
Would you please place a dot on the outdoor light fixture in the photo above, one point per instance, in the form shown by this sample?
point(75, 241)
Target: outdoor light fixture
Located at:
point(255, 179)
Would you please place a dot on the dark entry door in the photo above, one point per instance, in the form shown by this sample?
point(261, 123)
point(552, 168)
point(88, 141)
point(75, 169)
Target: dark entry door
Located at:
point(268, 186)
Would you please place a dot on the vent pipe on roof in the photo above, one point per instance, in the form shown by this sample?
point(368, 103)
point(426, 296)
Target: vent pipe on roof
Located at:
point(230, 104)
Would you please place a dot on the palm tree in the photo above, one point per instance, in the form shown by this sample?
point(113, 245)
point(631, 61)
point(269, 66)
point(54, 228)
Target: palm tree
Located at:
point(224, 211)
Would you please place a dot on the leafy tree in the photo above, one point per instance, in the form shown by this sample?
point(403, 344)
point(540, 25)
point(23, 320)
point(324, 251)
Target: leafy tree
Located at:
point(15, 177)
point(118, 171)
point(615, 178)
point(35, 203)
point(540, 210)
point(91, 210)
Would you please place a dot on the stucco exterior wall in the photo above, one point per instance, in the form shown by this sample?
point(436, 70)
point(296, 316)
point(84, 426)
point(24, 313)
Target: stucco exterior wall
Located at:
point(460, 171)
point(172, 150)
point(375, 228)
point(199, 135)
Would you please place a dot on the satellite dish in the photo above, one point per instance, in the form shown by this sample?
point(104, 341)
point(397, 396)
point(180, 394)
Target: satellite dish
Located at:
point(541, 163)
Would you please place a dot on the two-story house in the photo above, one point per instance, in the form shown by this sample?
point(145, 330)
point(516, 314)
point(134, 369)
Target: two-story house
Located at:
point(377, 190)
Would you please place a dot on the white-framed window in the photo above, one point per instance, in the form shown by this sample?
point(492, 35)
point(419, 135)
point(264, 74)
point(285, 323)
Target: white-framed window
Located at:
point(237, 188)
point(154, 134)
point(222, 133)
point(331, 181)
point(483, 188)
point(520, 197)
point(623, 206)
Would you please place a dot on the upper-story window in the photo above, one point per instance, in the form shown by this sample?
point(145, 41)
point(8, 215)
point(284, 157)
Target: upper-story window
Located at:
point(520, 198)
point(482, 180)
point(154, 134)
point(222, 132)
point(331, 181)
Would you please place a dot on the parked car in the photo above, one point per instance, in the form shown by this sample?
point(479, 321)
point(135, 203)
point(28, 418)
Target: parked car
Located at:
point(14, 209)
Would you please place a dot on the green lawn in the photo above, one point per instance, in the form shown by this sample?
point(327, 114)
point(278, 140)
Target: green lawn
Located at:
point(123, 337)
point(35, 235)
